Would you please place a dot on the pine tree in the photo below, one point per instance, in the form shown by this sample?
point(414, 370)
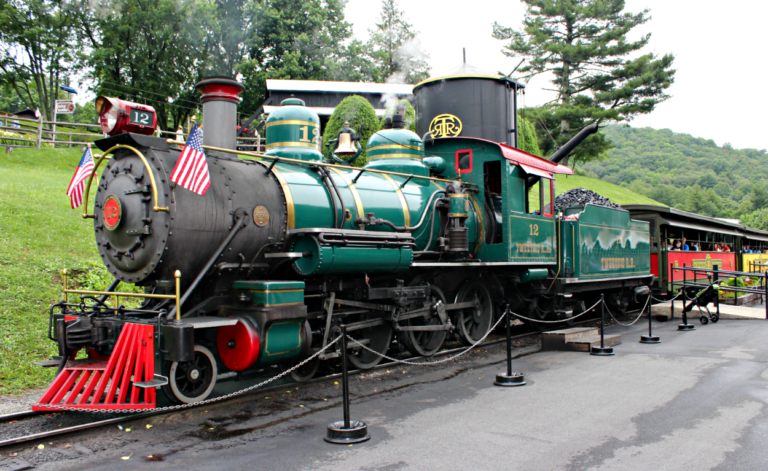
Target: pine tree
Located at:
point(598, 75)
point(396, 50)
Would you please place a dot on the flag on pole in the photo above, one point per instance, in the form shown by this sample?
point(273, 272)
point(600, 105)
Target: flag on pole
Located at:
point(191, 170)
point(77, 185)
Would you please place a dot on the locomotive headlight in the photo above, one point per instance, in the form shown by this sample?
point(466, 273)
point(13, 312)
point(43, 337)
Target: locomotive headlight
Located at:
point(118, 116)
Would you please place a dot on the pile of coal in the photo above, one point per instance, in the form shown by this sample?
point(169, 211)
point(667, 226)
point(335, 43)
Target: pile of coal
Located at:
point(580, 197)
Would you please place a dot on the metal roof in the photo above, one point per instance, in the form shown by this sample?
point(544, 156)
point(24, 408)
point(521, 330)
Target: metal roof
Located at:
point(680, 218)
point(322, 110)
point(321, 86)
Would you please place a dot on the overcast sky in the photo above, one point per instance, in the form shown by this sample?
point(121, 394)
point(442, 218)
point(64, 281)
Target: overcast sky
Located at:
point(719, 90)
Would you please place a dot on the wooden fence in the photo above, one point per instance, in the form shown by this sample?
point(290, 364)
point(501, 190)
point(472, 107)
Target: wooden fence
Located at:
point(25, 132)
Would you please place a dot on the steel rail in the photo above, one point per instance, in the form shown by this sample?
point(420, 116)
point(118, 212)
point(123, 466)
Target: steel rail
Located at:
point(101, 423)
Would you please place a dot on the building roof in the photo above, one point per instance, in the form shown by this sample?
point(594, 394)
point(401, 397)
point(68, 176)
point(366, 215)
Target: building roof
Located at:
point(321, 86)
point(685, 219)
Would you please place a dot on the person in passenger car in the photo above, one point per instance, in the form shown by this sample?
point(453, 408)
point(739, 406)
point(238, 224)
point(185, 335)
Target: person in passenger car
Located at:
point(678, 245)
point(685, 246)
point(695, 247)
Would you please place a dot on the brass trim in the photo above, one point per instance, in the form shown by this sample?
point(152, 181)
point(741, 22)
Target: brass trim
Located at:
point(447, 77)
point(114, 293)
point(266, 342)
point(156, 208)
point(458, 196)
point(480, 224)
point(394, 156)
point(394, 146)
point(267, 291)
point(308, 145)
point(259, 156)
point(355, 194)
point(291, 121)
point(177, 275)
point(291, 221)
point(403, 202)
point(458, 215)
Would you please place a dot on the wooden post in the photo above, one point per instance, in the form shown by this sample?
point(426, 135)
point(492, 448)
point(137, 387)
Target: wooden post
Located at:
point(39, 131)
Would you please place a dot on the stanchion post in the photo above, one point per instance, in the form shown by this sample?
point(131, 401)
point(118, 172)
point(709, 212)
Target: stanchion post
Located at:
point(685, 326)
point(602, 350)
point(650, 338)
point(347, 431)
point(716, 281)
point(510, 379)
point(672, 287)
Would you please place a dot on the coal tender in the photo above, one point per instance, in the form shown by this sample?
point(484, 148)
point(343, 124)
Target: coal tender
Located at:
point(425, 243)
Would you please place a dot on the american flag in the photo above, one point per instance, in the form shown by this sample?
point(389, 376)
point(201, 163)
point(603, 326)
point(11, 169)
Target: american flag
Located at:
point(77, 185)
point(191, 170)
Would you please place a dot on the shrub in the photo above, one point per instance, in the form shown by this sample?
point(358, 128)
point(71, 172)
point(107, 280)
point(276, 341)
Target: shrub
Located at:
point(361, 117)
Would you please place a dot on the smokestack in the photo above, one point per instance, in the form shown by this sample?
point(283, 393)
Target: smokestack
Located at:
point(220, 96)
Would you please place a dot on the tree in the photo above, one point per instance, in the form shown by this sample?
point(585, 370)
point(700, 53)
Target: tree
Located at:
point(396, 50)
point(527, 141)
point(35, 53)
point(759, 197)
point(151, 52)
point(302, 40)
point(225, 45)
point(597, 75)
point(361, 117)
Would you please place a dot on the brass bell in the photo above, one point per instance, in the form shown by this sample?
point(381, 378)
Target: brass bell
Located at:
point(345, 146)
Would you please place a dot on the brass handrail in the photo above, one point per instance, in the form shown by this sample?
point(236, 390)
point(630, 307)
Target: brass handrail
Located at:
point(156, 208)
point(318, 164)
point(176, 297)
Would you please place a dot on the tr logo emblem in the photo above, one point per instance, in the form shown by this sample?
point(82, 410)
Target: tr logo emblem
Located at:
point(445, 125)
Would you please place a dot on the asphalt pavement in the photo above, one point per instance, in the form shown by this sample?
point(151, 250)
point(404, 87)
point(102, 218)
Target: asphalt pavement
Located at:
point(694, 402)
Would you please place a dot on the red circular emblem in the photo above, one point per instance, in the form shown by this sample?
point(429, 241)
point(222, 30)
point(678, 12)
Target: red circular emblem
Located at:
point(112, 212)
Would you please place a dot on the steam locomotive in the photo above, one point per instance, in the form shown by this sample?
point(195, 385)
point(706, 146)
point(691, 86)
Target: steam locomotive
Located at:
point(430, 239)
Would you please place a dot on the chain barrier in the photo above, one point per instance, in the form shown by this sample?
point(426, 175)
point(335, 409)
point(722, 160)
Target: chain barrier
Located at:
point(428, 363)
point(634, 321)
point(665, 300)
point(554, 322)
point(195, 404)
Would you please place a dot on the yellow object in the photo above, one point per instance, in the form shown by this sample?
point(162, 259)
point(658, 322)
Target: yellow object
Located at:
point(156, 208)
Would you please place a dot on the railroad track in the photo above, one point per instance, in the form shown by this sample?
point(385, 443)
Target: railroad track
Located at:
point(101, 423)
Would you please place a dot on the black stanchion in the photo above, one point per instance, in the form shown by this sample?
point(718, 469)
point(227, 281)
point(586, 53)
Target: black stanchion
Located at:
point(650, 338)
point(347, 431)
point(602, 350)
point(510, 379)
point(685, 326)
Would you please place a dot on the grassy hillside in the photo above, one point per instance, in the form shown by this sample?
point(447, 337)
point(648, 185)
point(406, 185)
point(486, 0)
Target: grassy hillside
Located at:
point(617, 194)
point(39, 235)
point(683, 171)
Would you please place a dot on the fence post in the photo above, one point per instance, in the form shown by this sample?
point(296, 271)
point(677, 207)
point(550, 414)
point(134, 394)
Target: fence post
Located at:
point(716, 281)
point(672, 287)
point(685, 326)
point(511, 378)
point(346, 431)
point(39, 131)
point(602, 350)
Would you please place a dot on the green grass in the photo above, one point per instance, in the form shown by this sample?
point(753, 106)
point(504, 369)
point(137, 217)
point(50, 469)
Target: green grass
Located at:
point(39, 235)
point(617, 194)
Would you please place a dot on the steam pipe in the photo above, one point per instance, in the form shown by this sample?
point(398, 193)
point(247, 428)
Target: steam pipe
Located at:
point(563, 152)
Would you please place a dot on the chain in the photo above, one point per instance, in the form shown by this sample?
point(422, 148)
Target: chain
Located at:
point(195, 404)
point(427, 363)
point(634, 321)
point(554, 322)
point(665, 300)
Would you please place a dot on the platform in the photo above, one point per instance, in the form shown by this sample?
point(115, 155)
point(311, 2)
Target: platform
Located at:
point(577, 339)
point(696, 401)
point(727, 311)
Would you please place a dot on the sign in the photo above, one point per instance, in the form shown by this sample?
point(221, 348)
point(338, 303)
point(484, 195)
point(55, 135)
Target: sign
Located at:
point(65, 106)
point(445, 125)
point(141, 117)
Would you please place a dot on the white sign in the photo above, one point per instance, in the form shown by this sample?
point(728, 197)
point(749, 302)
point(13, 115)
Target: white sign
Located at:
point(65, 106)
